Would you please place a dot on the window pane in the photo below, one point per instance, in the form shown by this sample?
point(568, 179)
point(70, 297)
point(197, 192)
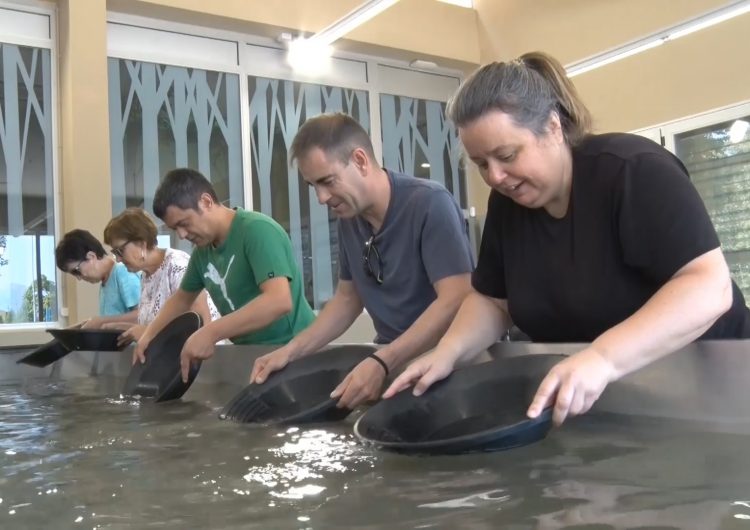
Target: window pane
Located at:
point(419, 140)
point(162, 117)
point(277, 109)
point(718, 159)
point(27, 264)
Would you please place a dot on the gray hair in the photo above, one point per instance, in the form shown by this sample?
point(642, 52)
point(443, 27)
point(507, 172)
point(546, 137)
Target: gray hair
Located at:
point(529, 89)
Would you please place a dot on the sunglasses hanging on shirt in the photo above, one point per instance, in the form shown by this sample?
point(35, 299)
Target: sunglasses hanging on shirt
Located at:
point(372, 262)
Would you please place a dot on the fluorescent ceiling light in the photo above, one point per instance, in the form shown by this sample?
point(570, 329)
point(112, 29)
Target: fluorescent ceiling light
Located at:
point(352, 20)
point(612, 57)
point(422, 64)
point(717, 17)
point(312, 55)
point(309, 57)
point(462, 3)
point(425, 165)
point(712, 18)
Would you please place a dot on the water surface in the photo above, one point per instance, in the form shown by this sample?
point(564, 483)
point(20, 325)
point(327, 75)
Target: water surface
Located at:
point(73, 454)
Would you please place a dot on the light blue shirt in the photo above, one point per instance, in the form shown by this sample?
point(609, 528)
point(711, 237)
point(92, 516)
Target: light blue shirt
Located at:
point(120, 293)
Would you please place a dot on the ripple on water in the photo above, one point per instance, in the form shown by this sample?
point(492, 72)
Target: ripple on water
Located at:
point(75, 452)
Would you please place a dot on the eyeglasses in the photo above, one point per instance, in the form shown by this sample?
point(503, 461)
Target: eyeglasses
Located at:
point(374, 268)
point(76, 271)
point(117, 251)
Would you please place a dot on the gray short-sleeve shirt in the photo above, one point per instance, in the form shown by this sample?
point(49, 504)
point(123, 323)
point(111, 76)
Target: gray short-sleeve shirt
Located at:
point(423, 239)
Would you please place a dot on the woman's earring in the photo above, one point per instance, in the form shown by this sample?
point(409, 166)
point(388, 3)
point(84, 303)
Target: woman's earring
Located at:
point(143, 255)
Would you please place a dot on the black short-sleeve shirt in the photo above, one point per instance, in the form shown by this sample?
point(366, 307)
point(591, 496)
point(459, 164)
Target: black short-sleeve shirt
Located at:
point(634, 219)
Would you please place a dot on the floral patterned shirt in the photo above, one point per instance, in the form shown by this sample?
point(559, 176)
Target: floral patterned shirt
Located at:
point(157, 287)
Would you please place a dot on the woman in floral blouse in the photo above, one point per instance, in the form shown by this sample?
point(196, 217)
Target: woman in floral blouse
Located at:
point(132, 236)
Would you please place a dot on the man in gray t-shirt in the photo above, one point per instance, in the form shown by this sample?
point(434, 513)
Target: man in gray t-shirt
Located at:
point(403, 255)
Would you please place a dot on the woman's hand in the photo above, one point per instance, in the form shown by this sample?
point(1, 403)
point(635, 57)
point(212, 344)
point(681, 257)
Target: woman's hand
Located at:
point(132, 334)
point(92, 323)
point(573, 385)
point(422, 373)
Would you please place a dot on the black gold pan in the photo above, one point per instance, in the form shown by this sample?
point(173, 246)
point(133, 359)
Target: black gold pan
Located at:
point(160, 377)
point(72, 339)
point(477, 408)
point(300, 393)
point(87, 339)
point(46, 354)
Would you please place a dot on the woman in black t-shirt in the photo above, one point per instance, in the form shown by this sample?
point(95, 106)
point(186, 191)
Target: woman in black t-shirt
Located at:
point(588, 238)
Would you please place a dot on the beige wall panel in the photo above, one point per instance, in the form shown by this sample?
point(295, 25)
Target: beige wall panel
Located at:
point(362, 330)
point(695, 74)
point(84, 133)
point(572, 30)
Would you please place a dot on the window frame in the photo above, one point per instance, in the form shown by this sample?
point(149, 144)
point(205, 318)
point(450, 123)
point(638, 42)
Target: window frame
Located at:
point(666, 133)
point(373, 77)
point(24, 38)
point(243, 65)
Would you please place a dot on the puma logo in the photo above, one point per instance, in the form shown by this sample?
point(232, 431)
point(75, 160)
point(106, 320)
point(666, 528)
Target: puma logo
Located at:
point(213, 275)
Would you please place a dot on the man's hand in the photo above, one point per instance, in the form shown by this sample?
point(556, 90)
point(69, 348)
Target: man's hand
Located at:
point(270, 363)
point(573, 385)
point(139, 352)
point(200, 346)
point(364, 383)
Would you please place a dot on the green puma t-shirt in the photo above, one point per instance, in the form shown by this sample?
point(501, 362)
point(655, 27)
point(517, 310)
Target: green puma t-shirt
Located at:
point(256, 249)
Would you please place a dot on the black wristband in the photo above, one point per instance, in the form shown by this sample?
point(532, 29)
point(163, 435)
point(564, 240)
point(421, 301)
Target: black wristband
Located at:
point(381, 362)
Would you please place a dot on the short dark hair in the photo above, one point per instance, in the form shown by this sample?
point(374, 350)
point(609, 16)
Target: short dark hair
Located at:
point(75, 245)
point(181, 187)
point(132, 224)
point(337, 135)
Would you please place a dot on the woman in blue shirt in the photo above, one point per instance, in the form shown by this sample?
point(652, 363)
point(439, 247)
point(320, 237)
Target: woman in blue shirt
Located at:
point(80, 254)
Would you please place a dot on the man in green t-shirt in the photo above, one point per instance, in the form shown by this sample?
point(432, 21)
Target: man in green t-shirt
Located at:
point(242, 258)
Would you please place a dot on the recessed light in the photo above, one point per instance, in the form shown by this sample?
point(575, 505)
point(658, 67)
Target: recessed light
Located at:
point(423, 65)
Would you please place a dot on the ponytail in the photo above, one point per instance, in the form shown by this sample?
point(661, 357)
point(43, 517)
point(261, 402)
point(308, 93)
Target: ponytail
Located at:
point(529, 89)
